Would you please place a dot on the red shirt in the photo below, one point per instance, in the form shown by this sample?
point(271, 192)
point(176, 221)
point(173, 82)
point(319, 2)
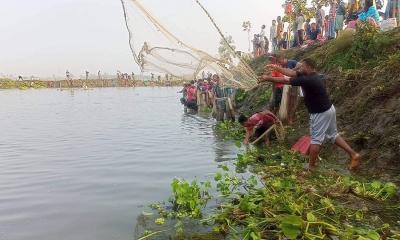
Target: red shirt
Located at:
point(277, 74)
point(206, 87)
point(260, 119)
point(191, 93)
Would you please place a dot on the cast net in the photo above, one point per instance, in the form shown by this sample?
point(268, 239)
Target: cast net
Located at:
point(181, 39)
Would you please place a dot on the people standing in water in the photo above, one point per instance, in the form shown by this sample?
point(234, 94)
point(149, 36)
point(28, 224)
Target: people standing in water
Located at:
point(260, 122)
point(222, 104)
point(184, 93)
point(191, 97)
point(322, 112)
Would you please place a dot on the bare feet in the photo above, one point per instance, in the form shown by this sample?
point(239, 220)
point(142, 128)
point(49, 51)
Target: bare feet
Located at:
point(312, 168)
point(355, 161)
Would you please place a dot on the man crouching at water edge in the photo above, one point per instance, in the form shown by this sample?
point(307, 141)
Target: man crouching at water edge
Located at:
point(261, 121)
point(322, 112)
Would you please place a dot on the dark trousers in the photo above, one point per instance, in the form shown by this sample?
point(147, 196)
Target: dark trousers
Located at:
point(300, 34)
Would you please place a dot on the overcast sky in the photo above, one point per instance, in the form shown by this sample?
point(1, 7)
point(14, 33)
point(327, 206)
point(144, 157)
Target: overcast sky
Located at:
point(48, 37)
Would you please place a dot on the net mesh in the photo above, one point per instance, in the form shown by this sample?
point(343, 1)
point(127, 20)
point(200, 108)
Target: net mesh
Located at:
point(165, 45)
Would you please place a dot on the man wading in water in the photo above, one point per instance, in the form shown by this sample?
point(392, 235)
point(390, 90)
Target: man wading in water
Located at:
point(322, 112)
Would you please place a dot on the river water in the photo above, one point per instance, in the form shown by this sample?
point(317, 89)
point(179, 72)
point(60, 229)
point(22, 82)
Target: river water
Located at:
point(83, 164)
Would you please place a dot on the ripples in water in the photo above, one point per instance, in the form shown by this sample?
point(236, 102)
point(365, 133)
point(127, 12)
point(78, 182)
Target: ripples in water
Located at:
point(78, 164)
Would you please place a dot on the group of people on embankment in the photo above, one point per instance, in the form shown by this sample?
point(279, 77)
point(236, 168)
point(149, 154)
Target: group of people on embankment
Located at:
point(298, 29)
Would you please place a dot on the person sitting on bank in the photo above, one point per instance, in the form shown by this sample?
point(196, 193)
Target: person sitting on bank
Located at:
point(261, 122)
point(315, 35)
point(314, 32)
point(322, 112)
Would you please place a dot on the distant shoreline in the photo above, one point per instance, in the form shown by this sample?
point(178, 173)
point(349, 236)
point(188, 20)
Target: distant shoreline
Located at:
point(91, 83)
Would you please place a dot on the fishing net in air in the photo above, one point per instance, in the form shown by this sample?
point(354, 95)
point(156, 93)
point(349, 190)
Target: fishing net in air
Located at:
point(182, 39)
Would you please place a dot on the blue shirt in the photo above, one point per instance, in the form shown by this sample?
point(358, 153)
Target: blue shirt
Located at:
point(291, 64)
point(372, 13)
point(314, 34)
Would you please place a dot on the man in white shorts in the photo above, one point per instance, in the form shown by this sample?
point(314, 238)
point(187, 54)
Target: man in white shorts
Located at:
point(322, 112)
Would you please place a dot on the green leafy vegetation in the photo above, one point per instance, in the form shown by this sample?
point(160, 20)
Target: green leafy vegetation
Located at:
point(206, 109)
point(230, 130)
point(240, 96)
point(282, 200)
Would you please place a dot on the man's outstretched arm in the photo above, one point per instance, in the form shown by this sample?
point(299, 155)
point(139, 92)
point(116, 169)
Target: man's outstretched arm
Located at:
point(282, 80)
point(285, 71)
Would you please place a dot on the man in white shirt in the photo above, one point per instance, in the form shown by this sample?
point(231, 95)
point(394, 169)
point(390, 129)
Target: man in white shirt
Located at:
point(262, 41)
point(320, 18)
point(300, 20)
point(273, 36)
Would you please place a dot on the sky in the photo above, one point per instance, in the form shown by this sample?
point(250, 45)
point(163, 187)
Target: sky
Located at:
point(47, 37)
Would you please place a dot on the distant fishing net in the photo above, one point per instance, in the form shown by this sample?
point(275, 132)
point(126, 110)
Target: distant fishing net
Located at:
point(157, 50)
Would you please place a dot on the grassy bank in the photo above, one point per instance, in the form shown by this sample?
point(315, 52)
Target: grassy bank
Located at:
point(12, 84)
point(363, 79)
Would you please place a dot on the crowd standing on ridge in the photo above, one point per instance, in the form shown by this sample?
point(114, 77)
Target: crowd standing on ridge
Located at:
point(303, 31)
point(119, 76)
